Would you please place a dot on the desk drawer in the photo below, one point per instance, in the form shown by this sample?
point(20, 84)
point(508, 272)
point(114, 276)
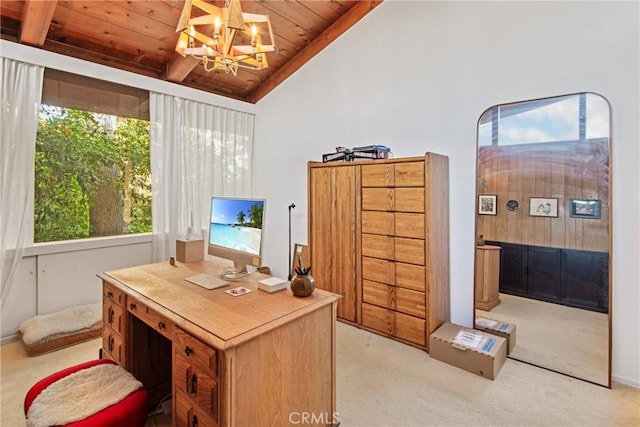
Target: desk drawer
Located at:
point(112, 345)
point(113, 294)
point(197, 352)
point(199, 387)
point(150, 317)
point(190, 415)
point(112, 316)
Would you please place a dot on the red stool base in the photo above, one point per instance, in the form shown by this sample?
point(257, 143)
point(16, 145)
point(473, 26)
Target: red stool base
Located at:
point(129, 412)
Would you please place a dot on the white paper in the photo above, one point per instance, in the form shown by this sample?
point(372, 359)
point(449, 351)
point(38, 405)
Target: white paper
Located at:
point(468, 339)
point(487, 323)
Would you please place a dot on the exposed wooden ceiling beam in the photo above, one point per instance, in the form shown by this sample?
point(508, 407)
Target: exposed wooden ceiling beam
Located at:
point(345, 22)
point(37, 16)
point(179, 67)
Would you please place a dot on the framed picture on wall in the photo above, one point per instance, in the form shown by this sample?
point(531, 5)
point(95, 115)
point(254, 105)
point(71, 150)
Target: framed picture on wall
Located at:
point(487, 204)
point(584, 208)
point(543, 207)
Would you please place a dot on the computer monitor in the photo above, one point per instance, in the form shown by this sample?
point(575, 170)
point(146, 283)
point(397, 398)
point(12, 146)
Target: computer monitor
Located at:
point(236, 232)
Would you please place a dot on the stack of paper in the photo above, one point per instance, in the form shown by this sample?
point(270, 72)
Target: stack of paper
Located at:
point(272, 284)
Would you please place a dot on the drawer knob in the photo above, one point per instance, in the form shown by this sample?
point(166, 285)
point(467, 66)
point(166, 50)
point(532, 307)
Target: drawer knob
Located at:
point(109, 294)
point(161, 325)
point(194, 421)
point(188, 351)
point(132, 306)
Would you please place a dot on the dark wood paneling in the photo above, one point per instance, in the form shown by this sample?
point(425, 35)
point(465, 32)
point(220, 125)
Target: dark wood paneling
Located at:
point(543, 272)
point(585, 279)
point(566, 276)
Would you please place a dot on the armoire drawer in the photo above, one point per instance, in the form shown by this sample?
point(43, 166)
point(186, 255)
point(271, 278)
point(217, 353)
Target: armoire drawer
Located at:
point(405, 199)
point(378, 318)
point(378, 294)
point(400, 224)
point(410, 328)
point(409, 276)
point(379, 270)
point(403, 326)
point(393, 174)
point(393, 248)
point(410, 302)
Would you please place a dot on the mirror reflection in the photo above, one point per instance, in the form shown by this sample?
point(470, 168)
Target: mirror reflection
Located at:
point(542, 229)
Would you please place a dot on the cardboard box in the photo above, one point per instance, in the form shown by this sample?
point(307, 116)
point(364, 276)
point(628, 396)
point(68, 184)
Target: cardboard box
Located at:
point(499, 328)
point(468, 349)
point(189, 250)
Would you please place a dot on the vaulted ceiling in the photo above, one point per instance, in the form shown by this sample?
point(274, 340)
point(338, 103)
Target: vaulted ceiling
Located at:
point(140, 36)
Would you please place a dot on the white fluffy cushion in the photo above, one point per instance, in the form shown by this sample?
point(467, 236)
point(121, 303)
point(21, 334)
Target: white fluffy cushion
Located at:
point(80, 395)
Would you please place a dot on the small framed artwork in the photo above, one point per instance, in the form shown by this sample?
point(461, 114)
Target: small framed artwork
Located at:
point(487, 204)
point(584, 208)
point(543, 207)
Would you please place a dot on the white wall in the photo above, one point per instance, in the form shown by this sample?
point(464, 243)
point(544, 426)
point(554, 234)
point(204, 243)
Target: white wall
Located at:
point(416, 76)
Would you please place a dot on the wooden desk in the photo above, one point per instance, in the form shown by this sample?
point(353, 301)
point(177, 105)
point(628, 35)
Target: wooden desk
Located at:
point(255, 359)
point(487, 277)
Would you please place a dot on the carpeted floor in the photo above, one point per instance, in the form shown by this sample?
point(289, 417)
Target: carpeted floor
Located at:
point(557, 337)
point(381, 382)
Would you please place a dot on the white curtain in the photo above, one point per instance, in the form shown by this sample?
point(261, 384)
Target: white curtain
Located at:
point(197, 151)
point(20, 104)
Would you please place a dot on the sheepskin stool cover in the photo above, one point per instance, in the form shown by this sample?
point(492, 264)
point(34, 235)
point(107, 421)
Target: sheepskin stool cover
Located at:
point(98, 393)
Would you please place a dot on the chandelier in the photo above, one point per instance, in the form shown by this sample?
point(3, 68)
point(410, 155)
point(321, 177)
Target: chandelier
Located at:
point(235, 40)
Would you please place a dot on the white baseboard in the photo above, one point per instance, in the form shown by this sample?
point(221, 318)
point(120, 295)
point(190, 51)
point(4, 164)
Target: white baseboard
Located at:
point(626, 381)
point(8, 339)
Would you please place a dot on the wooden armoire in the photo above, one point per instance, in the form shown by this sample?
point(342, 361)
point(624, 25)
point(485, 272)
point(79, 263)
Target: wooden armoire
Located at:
point(379, 236)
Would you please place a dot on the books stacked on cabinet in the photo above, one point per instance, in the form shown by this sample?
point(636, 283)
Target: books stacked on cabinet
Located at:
point(367, 152)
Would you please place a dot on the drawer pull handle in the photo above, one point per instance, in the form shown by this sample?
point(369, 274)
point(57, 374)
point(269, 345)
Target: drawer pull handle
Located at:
point(194, 421)
point(111, 344)
point(188, 351)
point(194, 384)
point(109, 294)
point(161, 325)
point(132, 306)
point(110, 317)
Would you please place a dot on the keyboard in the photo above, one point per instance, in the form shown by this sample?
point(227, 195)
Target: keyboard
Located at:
point(207, 281)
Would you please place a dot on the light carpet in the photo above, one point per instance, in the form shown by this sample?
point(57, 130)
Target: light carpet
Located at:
point(381, 382)
point(557, 337)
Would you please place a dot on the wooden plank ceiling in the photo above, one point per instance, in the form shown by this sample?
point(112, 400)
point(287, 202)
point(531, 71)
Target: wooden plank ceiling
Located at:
point(139, 36)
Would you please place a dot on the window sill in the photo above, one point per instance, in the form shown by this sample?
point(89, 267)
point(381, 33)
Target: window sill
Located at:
point(86, 244)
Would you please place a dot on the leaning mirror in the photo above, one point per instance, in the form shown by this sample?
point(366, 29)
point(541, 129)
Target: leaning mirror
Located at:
point(543, 231)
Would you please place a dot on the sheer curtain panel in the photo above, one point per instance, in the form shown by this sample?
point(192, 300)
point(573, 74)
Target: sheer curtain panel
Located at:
point(20, 100)
point(197, 151)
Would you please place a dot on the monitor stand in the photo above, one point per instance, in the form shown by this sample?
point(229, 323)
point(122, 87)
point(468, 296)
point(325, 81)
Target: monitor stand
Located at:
point(239, 272)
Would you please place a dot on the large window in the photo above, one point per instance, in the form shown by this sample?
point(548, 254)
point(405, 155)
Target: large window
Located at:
point(92, 171)
point(558, 119)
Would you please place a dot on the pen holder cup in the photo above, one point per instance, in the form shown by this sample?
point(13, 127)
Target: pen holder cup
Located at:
point(303, 285)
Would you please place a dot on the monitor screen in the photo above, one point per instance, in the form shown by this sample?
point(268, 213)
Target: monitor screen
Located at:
point(236, 231)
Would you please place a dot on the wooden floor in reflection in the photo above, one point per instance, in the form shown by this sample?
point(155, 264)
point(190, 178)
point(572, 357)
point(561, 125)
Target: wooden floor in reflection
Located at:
point(564, 339)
